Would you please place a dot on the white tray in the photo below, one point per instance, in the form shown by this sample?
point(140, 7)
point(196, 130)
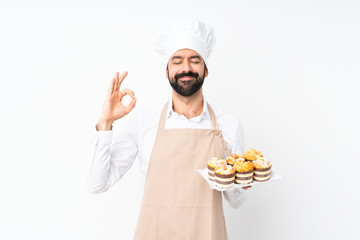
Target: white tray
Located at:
point(204, 173)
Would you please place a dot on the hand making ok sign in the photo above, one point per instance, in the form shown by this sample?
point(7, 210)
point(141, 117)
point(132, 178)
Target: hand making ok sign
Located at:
point(113, 108)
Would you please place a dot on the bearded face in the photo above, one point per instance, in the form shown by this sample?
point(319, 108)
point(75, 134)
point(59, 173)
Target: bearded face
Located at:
point(187, 83)
point(186, 72)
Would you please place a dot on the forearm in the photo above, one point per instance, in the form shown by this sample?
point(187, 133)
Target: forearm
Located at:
point(99, 163)
point(235, 197)
point(110, 158)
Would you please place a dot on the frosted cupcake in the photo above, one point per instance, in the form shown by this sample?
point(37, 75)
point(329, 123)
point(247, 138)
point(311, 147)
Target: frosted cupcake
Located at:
point(262, 171)
point(212, 164)
point(244, 172)
point(252, 155)
point(224, 176)
point(232, 158)
point(240, 159)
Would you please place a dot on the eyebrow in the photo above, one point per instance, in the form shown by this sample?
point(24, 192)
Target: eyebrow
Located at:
point(197, 57)
point(179, 57)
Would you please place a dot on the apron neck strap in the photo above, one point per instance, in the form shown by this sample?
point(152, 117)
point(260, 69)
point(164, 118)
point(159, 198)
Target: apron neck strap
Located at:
point(212, 117)
point(163, 117)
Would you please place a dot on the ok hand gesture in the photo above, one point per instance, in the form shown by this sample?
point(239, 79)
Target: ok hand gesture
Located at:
point(113, 108)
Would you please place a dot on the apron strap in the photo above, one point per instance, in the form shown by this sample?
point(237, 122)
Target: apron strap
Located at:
point(212, 117)
point(163, 117)
point(215, 126)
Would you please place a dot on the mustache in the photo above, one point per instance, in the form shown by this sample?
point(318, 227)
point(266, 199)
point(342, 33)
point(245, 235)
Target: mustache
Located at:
point(187, 74)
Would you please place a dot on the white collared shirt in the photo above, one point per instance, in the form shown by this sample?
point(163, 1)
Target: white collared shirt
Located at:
point(113, 152)
point(175, 120)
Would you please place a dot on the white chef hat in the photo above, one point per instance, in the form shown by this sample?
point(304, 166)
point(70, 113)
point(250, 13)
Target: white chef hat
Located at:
point(179, 34)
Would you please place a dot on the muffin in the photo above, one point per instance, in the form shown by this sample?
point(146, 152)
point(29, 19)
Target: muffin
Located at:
point(232, 158)
point(224, 176)
point(240, 159)
point(252, 155)
point(262, 171)
point(244, 172)
point(212, 164)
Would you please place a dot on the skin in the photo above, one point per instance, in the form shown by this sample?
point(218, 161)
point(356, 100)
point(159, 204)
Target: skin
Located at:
point(184, 61)
point(113, 108)
point(181, 61)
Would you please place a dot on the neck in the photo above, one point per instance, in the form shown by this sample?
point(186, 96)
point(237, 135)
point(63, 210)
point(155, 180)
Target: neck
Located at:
point(191, 106)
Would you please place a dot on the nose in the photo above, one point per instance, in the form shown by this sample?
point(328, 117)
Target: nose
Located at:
point(186, 66)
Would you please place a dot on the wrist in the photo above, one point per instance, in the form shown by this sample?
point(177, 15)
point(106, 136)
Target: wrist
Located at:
point(104, 125)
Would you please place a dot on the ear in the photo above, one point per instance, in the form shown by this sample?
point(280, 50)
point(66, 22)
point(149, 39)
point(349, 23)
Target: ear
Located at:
point(206, 71)
point(167, 71)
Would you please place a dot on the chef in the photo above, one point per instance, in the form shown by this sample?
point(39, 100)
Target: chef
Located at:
point(170, 143)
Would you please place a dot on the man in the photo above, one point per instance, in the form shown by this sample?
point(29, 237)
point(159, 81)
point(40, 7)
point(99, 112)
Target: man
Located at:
point(177, 203)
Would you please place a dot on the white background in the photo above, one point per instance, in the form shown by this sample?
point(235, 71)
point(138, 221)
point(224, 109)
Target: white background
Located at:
point(289, 69)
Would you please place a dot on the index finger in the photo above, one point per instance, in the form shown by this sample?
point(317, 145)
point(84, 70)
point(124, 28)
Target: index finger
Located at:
point(122, 77)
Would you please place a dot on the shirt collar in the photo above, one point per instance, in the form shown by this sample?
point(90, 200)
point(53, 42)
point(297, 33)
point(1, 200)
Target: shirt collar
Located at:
point(205, 113)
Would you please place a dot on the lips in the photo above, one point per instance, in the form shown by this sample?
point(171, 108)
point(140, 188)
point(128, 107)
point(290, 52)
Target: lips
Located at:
point(186, 78)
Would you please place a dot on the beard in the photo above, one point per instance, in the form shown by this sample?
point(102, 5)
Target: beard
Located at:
point(187, 88)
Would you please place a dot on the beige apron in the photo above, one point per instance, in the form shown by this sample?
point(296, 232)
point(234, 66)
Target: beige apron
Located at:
point(177, 202)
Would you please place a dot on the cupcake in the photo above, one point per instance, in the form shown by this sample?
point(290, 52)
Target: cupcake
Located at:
point(233, 158)
point(240, 159)
point(224, 176)
point(212, 164)
point(244, 172)
point(262, 170)
point(252, 155)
